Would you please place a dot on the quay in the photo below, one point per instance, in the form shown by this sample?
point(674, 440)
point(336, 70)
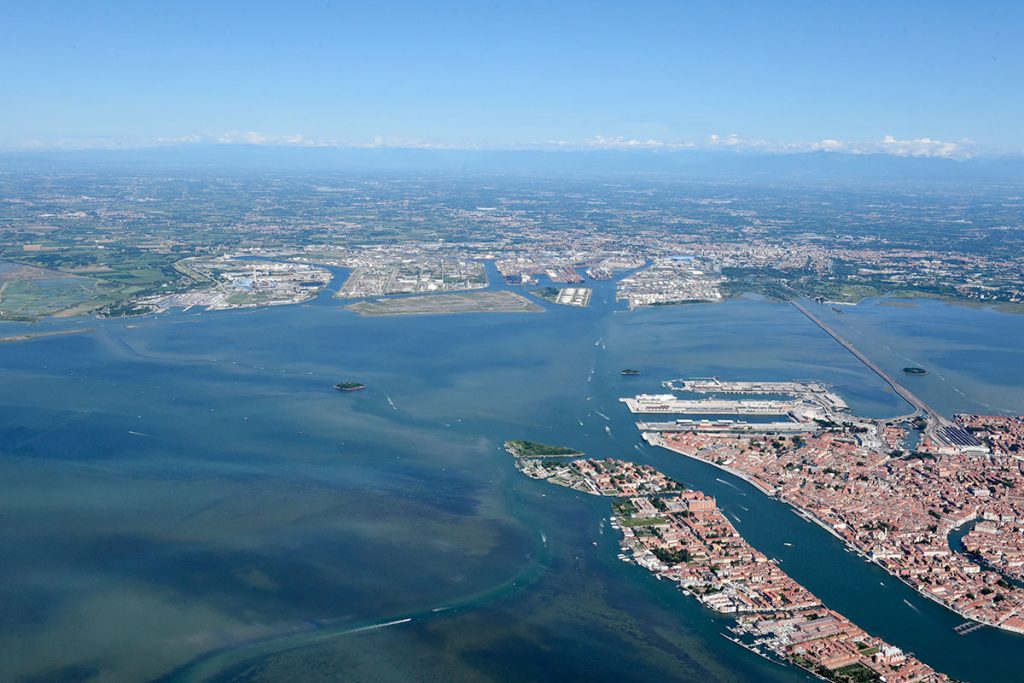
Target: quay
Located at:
point(667, 403)
point(728, 427)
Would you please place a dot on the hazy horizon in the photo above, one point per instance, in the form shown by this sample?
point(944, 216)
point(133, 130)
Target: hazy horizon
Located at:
point(915, 79)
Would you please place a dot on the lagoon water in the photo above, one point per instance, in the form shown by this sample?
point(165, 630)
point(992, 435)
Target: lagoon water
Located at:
point(184, 497)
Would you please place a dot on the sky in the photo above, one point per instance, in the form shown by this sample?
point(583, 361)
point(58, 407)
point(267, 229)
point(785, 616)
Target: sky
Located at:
point(937, 78)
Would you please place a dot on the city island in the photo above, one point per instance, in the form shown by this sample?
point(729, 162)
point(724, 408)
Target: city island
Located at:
point(679, 534)
point(895, 505)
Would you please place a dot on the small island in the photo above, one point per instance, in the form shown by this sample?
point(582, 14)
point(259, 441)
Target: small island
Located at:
point(630, 372)
point(915, 371)
point(565, 296)
point(532, 449)
point(548, 293)
point(349, 386)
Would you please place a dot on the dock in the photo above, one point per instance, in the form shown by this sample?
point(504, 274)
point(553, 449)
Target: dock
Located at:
point(968, 627)
point(668, 403)
point(728, 427)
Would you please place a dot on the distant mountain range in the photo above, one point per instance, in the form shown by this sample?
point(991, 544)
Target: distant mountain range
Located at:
point(721, 165)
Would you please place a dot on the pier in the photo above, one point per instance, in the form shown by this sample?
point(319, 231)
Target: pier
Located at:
point(968, 627)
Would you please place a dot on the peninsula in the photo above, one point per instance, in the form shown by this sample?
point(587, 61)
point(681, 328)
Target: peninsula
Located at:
point(43, 335)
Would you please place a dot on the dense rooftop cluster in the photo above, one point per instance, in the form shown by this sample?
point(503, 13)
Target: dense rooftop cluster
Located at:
point(108, 239)
point(681, 535)
point(898, 508)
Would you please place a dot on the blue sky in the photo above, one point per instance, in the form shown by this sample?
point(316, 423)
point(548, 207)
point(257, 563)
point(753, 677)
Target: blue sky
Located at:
point(929, 78)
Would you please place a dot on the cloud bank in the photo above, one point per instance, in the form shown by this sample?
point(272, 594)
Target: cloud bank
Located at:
point(889, 144)
point(922, 147)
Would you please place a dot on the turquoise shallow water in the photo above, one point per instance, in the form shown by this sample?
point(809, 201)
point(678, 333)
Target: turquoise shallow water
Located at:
point(189, 484)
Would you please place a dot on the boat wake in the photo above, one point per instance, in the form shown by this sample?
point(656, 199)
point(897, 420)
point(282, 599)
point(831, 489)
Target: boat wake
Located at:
point(729, 484)
point(907, 603)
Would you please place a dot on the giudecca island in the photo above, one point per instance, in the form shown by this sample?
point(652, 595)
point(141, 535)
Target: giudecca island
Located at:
point(679, 534)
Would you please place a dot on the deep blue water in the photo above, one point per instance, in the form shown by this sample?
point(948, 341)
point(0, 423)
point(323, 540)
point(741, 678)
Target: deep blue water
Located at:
point(188, 484)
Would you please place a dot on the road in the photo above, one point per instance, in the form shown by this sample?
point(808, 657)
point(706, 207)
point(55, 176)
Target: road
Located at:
point(934, 417)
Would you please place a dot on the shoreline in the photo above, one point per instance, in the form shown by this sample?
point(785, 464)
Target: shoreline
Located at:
point(724, 595)
point(655, 440)
point(29, 336)
point(811, 517)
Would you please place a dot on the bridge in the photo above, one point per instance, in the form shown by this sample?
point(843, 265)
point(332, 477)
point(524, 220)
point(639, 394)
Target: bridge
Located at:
point(920, 406)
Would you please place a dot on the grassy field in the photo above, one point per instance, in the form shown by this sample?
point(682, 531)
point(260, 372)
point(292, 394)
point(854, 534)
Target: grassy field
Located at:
point(29, 293)
point(532, 449)
point(642, 521)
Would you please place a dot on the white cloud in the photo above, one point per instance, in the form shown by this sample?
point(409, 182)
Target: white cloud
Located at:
point(251, 137)
point(731, 140)
point(925, 147)
point(620, 142)
point(829, 145)
point(235, 137)
point(74, 143)
point(889, 144)
point(182, 140)
point(379, 141)
point(919, 147)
